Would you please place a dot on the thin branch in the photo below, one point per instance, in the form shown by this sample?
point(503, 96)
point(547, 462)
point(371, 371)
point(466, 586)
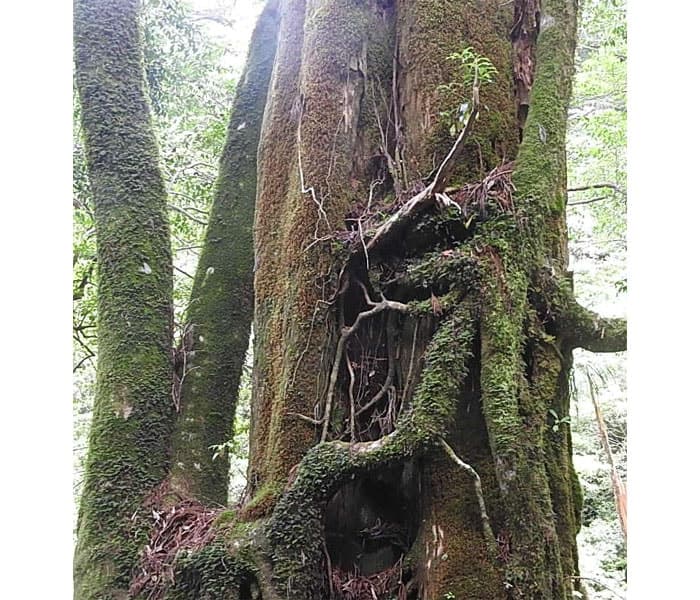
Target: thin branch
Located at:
point(410, 366)
point(598, 186)
point(309, 190)
point(485, 522)
point(305, 418)
point(83, 360)
point(90, 353)
point(186, 214)
point(389, 373)
point(619, 488)
point(179, 270)
point(425, 198)
point(351, 396)
point(591, 201)
point(183, 248)
point(446, 167)
point(188, 197)
point(600, 583)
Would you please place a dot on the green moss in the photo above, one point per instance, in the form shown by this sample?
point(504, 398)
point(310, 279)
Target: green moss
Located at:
point(431, 30)
point(212, 573)
point(296, 523)
point(221, 307)
point(540, 173)
point(127, 453)
point(226, 519)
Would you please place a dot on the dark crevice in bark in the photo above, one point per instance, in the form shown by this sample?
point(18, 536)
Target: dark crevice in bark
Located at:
point(371, 522)
point(526, 26)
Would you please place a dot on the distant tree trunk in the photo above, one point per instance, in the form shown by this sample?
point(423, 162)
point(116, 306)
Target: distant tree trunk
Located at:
point(129, 438)
point(216, 338)
point(414, 316)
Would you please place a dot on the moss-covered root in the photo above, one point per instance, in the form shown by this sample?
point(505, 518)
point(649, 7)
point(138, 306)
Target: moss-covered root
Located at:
point(295, 530)
point(515, 421)
point(222, 570)
point(550, 386)
point(132, 419)
point(221, 307)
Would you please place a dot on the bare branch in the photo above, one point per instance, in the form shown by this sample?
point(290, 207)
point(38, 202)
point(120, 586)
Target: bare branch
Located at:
point(598, 186)
point(186, 214)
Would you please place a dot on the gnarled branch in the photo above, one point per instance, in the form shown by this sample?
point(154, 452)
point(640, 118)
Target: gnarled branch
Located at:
point(587, 329)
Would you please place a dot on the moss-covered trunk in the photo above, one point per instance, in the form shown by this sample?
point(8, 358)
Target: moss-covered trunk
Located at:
point(414, 318)
point(129, 438)
point(214, 345)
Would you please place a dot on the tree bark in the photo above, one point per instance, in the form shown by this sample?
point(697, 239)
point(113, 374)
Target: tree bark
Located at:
point(132, 418)
point(217, 333)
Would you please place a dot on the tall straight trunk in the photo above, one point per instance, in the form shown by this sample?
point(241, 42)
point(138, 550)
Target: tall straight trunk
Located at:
point(216, 337)
point(414, 316)
point(129, 437)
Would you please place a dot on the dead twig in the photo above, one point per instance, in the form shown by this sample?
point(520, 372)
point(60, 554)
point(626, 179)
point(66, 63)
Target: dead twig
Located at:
point(426, 197)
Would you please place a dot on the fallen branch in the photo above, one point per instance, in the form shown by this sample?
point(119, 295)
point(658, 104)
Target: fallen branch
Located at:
point(395, 225)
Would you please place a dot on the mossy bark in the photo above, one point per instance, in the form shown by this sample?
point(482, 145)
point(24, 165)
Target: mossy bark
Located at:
point(217, 333)
point(457, 333)
point(132, 418)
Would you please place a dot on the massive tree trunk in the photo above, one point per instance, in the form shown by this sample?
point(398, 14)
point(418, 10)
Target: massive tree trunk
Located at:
point(401, 333)
point(414, 317)
point(132, 417)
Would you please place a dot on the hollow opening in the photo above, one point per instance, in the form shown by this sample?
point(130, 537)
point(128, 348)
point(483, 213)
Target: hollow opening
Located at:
point(370, 525)
point(249, 589)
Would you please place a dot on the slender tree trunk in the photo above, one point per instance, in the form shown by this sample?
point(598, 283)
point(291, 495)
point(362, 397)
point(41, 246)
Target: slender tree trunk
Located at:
point(129, 438)
point(211, 357)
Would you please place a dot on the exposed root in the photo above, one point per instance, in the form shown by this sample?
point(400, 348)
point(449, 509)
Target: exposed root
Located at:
point(485, 521)
point(346, 332)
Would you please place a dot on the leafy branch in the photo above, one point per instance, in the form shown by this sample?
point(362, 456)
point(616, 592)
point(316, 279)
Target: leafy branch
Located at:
point(475, 70)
